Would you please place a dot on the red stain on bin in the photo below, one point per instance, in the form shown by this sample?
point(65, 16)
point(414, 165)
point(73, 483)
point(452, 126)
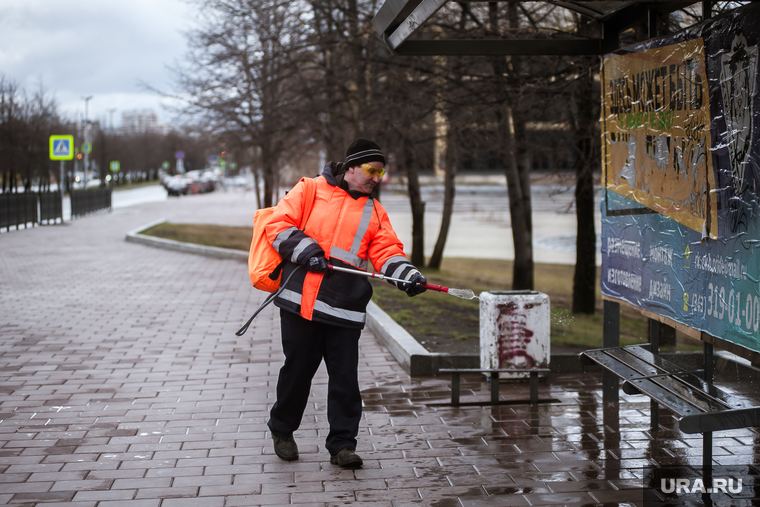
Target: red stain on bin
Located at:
point(514, 336)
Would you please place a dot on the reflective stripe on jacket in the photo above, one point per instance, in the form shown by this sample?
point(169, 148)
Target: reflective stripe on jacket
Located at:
point(352, 232)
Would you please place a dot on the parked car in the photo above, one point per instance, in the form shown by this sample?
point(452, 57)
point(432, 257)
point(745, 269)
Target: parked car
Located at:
point(194, 183)
point(176, 185)
point(209, 180)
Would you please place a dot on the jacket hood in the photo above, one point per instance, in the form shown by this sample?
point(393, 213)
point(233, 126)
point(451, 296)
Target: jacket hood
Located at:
point(334, 172)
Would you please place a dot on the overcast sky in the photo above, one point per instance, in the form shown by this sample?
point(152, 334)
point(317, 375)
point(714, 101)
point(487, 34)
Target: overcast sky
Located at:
point(98, 48)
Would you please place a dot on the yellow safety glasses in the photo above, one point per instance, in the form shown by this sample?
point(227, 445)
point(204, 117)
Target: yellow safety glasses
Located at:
point(373, 171)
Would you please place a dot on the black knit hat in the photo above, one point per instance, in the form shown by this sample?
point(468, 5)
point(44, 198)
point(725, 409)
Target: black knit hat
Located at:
point(363, 151)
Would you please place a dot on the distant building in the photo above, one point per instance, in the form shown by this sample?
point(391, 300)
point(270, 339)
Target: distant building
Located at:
point(140, 121)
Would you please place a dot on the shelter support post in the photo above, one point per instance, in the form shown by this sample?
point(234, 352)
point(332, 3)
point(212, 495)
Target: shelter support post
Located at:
point(494, 387)
point(455, 389)
point(611, 338)
point(654, 347)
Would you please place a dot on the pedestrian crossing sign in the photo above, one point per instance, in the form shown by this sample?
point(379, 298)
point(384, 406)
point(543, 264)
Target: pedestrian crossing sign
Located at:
point(61, 147)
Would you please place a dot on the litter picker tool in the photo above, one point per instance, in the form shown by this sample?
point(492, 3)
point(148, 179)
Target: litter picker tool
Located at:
point(460, 293)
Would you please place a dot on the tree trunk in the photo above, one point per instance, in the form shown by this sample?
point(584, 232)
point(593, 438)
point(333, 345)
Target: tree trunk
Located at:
point(584, 279)
point(523, 167)
point(511, 135)
point(518, 184)
point(267, 166)
point(256, 184)
point(448, 199)
point(517, 181)
point(356, 86)
point(418, 206)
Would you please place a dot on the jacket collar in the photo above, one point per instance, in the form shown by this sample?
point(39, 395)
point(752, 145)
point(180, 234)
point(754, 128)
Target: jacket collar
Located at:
point(333, 173)
point(329, 173)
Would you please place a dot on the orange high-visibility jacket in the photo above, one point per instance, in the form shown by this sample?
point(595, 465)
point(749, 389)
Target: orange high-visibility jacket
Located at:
point(351, 232)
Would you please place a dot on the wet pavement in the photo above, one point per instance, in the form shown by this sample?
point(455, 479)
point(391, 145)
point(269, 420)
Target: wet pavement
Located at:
point(122, 384)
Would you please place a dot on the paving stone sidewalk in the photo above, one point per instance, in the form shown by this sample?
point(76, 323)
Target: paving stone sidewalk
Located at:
point(122, 384)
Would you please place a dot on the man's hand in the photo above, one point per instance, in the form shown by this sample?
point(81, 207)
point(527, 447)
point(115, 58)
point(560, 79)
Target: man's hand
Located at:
point(415, 285)
point(317, 264)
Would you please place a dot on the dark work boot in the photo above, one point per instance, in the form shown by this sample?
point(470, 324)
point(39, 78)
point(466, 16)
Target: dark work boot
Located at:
point(285, 447)
point(347, 458)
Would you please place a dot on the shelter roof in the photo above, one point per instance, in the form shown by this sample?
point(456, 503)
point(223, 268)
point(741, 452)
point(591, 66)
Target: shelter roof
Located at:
point(398, 20)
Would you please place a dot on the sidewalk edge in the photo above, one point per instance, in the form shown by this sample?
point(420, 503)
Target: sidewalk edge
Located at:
point(168, 244)
point(409, 354)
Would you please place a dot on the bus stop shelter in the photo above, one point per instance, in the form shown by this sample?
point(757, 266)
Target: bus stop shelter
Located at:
point(398, 20)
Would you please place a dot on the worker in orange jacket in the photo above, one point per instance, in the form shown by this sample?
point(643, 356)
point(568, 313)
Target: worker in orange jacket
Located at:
point(322, 312)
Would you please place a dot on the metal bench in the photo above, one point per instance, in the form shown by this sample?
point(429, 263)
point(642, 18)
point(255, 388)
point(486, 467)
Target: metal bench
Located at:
point(700, 406)
point(494, 377)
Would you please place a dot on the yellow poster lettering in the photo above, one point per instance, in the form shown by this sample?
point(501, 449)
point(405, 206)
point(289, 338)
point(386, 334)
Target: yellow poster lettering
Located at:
point(657, 132)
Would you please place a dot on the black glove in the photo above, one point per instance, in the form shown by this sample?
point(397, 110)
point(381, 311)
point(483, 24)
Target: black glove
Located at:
point(317, 264)
point(415, 285)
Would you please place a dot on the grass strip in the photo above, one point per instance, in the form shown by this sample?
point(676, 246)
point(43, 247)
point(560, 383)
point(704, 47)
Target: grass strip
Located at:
point(235, 238)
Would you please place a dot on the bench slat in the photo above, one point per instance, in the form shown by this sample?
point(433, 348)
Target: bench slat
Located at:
point(684, 393)
point(663, 396)
point(654, 391)
point(491, 370)
point(642, 368)
point(667, 366)
point(621, 369)
point(726, 420)
point(678, 384)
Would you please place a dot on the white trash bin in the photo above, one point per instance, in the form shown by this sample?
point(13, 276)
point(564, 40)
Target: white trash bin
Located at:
point(515, 331)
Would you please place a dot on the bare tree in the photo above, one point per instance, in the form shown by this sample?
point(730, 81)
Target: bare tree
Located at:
point(583, 114)
point(449, 192)
point(405, 95)
point(493, 86)
point(504, 93)
point(239, 76)
point(26, 123)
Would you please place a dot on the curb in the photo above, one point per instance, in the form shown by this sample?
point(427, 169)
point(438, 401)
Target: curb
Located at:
point(415, 359)
point(168, 244)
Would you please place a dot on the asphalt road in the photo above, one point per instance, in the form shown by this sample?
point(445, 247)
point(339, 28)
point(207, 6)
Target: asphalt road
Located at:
point(480, 226)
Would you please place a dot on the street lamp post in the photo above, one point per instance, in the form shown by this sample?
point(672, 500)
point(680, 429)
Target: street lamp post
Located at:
point(86, 140)
point(111, 111)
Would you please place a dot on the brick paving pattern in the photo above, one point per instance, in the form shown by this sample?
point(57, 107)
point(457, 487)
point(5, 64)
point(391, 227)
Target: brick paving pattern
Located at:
point(122, 384)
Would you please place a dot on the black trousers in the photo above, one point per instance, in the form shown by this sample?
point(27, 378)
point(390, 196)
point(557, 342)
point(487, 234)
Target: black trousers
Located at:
point(305, 344)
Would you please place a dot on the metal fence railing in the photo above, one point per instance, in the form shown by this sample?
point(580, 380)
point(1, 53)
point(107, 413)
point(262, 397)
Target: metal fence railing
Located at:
point(32, 208)
point(18, 209)
point(51, 207)
point(90, 201)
